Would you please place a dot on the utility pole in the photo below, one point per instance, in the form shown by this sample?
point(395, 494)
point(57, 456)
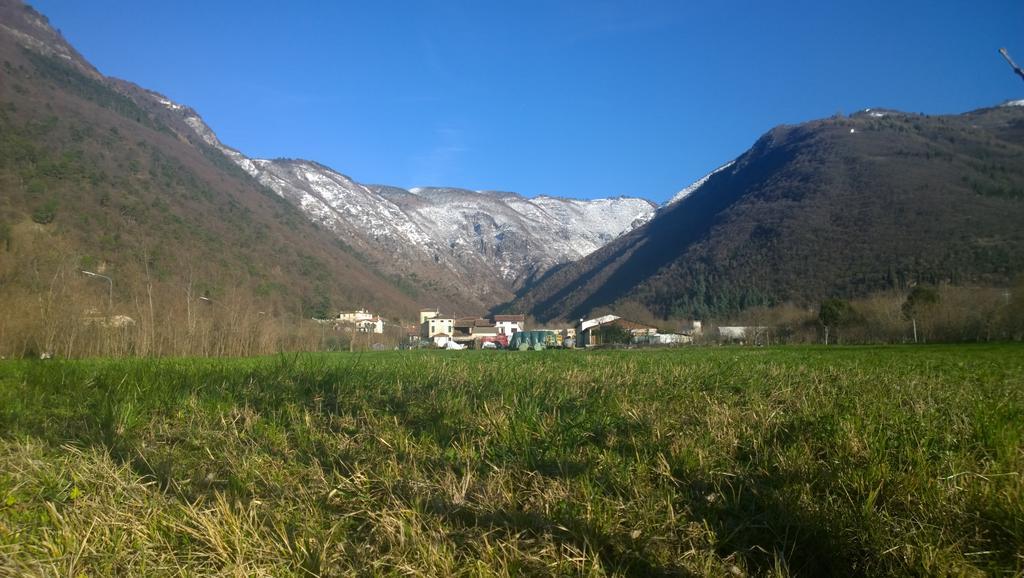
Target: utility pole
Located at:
point(1013, 65)
point(110, 294)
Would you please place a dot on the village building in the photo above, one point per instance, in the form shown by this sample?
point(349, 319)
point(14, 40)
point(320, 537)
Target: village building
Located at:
point(585, 329)
point(663, 339)
point(634, 328)
point(359, 320)
point(412, 335)
point(687, 331)
point(486, 332)
point(754, 335)
point(469, 331)
point(485, 328)
point(462, 331)
point(475, 331)
point(691, 328)
point(589, 330)
point(439, 329)
point(357, 316)
point(509, 325)
point(372, 325)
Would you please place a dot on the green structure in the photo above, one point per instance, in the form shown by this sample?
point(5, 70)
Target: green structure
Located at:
point(536, 340)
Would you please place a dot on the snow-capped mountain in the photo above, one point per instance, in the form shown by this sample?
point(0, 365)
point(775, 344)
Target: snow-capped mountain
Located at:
point(483, 245)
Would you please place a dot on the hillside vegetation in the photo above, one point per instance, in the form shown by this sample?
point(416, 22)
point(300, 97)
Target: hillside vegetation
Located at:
point(842, 207)
point(706, 462)
point(93, 177)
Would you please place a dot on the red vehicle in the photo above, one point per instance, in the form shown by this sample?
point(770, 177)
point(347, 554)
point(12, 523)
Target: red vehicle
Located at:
point(500, 340)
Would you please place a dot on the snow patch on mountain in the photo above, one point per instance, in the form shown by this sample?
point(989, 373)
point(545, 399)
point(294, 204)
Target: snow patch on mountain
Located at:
point(697, 184)
point(485, 243)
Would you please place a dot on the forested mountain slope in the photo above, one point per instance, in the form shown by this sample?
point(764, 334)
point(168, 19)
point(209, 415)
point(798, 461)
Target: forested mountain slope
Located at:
point(93, 176)
point(836, 207)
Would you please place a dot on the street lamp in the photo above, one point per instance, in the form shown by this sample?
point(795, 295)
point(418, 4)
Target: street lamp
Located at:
point(110, 295)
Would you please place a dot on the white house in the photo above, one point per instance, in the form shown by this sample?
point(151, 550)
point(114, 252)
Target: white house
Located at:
point(428, 313)
point(354, 316)
point(509, 324)
point(373, 325)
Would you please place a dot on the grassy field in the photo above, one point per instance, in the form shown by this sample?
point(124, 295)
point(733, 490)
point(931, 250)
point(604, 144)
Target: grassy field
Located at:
point(695, 462)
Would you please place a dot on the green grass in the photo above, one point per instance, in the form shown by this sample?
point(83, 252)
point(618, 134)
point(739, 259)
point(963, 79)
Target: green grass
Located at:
point(702, 461)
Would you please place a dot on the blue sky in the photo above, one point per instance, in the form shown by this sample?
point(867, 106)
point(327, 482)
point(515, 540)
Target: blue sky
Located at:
point(582, 99)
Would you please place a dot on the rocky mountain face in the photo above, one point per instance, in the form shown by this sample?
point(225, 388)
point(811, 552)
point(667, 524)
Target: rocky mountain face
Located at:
point(833, 208)
point(482, 245)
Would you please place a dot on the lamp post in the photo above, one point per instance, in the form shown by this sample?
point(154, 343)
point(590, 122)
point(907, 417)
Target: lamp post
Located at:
point(110, 294)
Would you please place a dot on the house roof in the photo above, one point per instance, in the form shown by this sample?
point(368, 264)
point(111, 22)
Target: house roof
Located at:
point(509, 318)
point(441, 317)
point(627, 324)
point(588, 323)
point(473, 322)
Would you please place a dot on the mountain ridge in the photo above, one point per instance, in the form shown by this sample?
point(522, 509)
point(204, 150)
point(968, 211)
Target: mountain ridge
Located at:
point(832, 207)
point(480, 256)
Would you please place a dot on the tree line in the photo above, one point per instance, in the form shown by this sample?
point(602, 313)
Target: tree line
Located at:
point(922, 314)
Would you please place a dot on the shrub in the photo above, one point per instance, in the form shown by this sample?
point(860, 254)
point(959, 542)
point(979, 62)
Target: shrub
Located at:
point(45, 214)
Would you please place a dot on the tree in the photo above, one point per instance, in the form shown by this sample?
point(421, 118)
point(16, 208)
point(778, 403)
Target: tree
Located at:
point(5, 236)
point(920, 299)
point(45, 214)
point(835, 313)
point(317, 306)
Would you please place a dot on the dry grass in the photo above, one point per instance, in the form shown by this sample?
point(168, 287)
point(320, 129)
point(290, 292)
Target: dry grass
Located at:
point(703, 462)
